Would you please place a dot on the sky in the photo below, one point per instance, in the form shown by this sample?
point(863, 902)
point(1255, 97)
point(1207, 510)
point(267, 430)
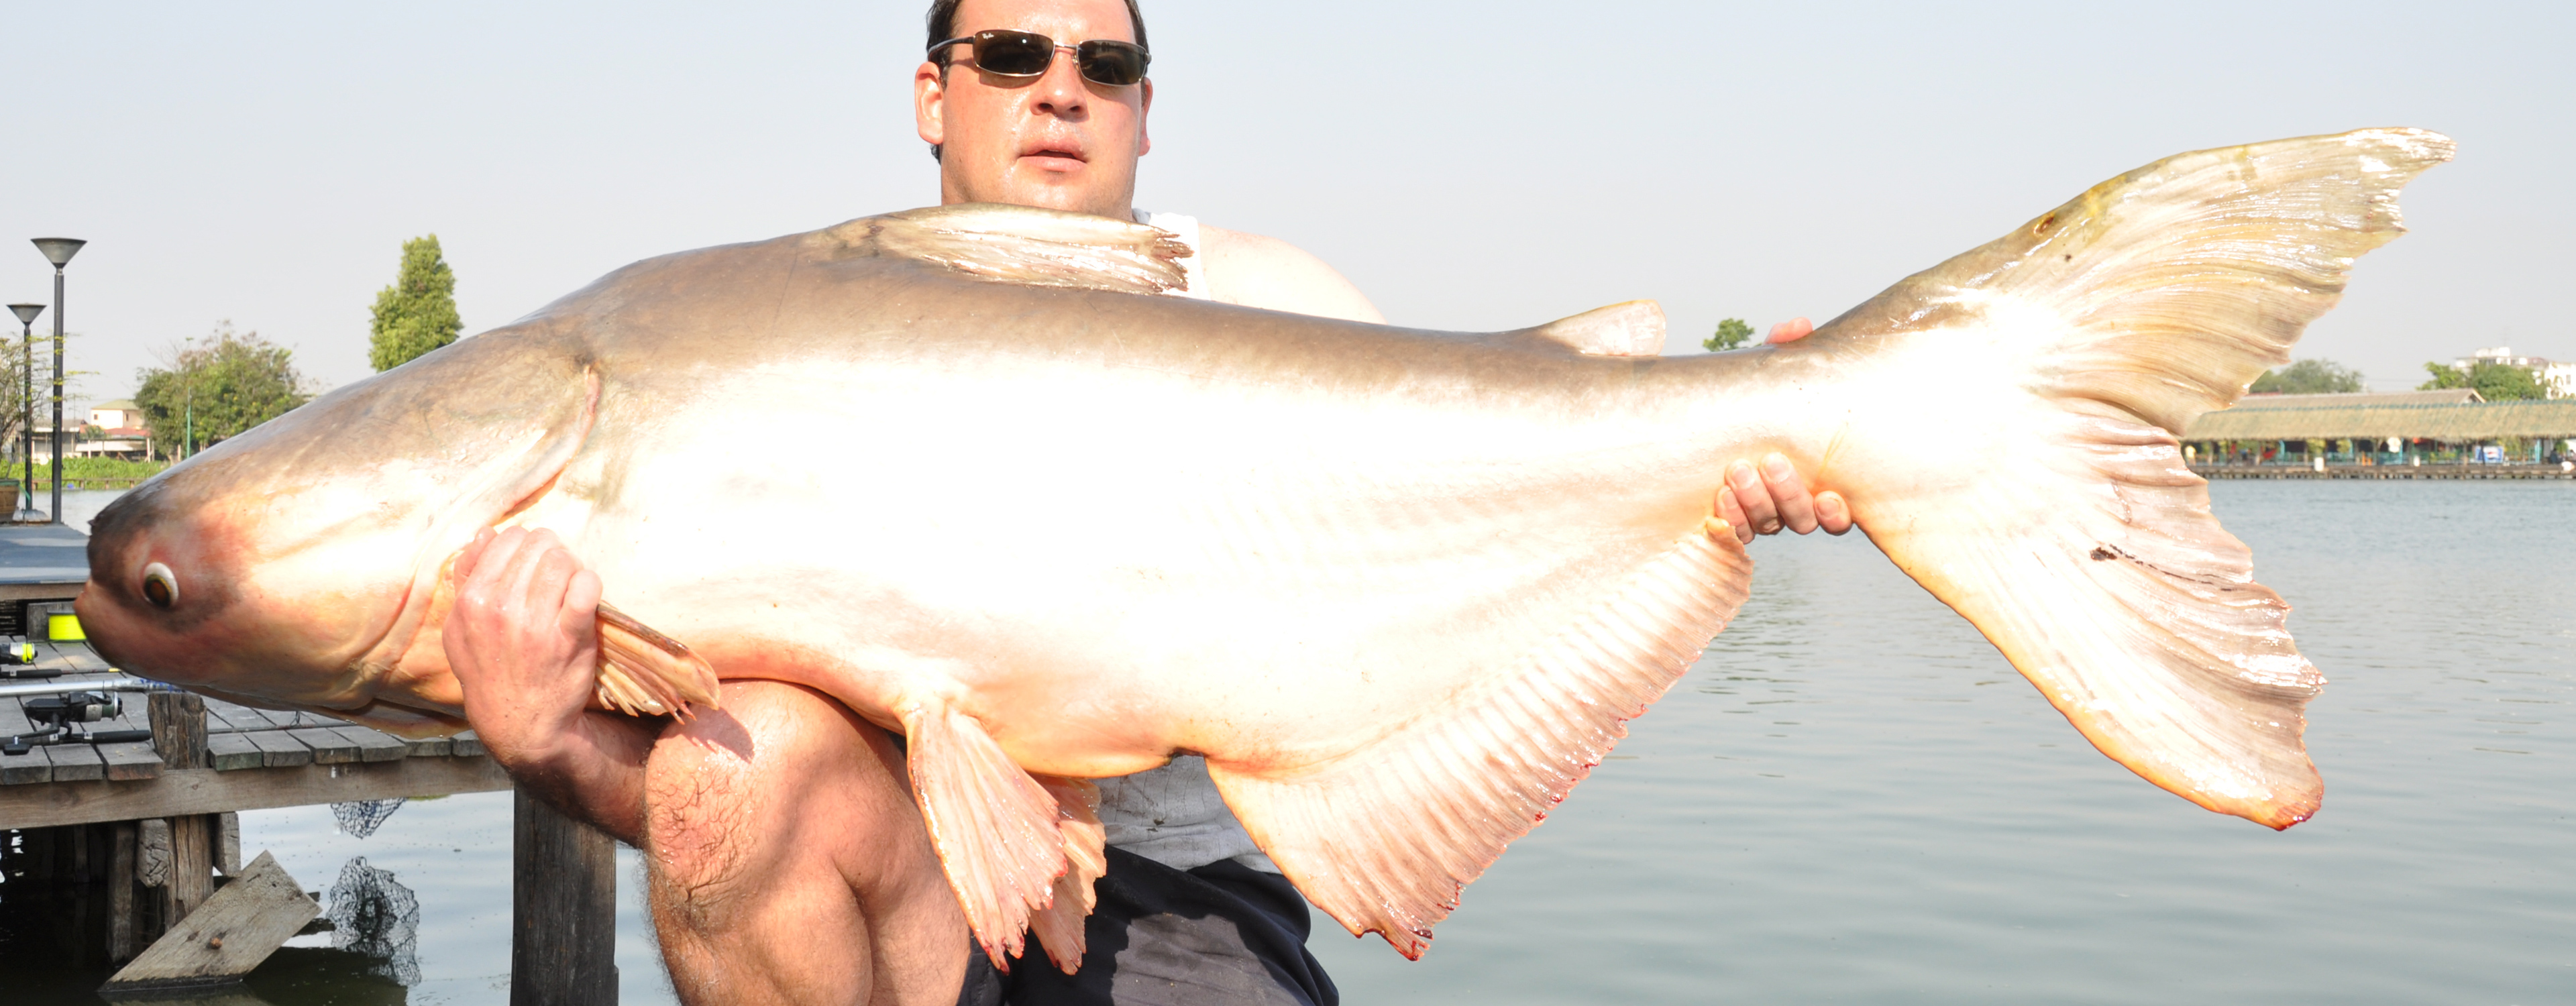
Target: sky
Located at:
point(1469, 166)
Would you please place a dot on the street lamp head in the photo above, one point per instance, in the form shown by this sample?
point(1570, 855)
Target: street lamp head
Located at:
point(59, 251)
point(26, 312)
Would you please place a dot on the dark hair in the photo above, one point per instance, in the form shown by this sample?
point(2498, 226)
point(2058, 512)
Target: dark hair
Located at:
point(943, 22)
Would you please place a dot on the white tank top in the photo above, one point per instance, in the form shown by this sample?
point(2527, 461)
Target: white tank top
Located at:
point(1173, 815)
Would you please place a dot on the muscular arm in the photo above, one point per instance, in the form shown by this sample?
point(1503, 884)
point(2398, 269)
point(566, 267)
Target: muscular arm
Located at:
point(523, 642)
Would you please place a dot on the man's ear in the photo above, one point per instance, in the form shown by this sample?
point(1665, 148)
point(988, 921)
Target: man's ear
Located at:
point(1144, 139)
point(929, 102)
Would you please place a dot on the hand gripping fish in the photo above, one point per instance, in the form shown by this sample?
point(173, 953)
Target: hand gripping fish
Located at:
point(1401, 588)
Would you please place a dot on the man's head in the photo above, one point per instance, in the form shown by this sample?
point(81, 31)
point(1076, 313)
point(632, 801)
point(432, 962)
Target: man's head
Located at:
point(1057, 140)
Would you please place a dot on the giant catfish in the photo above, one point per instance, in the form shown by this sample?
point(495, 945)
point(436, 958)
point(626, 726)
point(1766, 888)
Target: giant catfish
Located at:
point(1401, 588)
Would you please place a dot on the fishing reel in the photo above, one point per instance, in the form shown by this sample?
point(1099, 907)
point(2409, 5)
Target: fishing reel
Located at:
point(54, 716)
point(74, 707)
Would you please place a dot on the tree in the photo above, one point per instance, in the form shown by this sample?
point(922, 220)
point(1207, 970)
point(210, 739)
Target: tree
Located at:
point(1730, 333)
point(215, 387)
point(2495, 382)
point(418, 313)
point(2308, 377)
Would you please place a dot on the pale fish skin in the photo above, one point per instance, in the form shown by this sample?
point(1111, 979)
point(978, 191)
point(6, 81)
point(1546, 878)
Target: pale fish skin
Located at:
point(1400, 587)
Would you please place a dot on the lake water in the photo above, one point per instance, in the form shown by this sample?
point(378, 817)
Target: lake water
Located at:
point(1852, 798)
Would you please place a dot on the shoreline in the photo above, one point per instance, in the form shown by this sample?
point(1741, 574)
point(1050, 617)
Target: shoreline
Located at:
point(2442, 472)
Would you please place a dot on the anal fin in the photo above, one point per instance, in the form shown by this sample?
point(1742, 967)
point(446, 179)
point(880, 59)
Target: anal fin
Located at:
point(1059, 925)
point(1000, 833)
point(1383, 838)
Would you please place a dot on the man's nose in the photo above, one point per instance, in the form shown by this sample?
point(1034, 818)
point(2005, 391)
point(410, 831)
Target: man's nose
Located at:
point(1060, 90)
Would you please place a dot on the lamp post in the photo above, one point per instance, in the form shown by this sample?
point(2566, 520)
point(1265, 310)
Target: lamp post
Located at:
point(27, 512)
point(58, 251)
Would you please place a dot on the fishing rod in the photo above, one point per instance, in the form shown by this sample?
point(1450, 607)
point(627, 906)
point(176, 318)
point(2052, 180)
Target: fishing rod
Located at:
point(57, 707)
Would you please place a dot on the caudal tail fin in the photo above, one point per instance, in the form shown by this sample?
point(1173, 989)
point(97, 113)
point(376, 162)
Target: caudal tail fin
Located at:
point(2079, 542)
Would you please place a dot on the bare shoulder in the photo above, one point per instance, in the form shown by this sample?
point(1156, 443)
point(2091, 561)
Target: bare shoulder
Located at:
point(1265, 272)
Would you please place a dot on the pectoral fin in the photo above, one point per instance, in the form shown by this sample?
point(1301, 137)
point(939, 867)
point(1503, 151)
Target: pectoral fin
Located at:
point(645, 673)
point(1016, 849)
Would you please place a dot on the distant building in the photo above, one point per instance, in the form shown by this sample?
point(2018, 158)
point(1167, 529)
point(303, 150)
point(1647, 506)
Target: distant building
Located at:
point(121, 414)
point(2557, 380)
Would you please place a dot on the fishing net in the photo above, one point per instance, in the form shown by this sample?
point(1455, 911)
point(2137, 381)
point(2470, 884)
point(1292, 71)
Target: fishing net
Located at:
point(372, 914)
point(361, 818)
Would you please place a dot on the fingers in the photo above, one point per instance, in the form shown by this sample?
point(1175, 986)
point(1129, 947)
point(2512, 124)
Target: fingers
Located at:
point(1833, 513)
point(1732, 513)
point(1745, 485)
point(1788, 493)
point(1791, 330)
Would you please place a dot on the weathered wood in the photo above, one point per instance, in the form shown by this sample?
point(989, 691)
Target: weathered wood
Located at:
point(130, 762)
point(192, 868)
point(226, 752)
point(227, 936)
point(152, 853)
point(329, 748)
point(179, 729)
point(75, 762)
point(32, 767)
point(120, 892)
point(427, 747)
point(374, 745)
point(563, 895)
point(277, 750)
point(206, 791)
point(228, 844)
point(467, 745)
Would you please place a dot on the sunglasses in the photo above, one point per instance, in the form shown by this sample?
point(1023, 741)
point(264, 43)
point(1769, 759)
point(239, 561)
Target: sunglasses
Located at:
point(1028, 54)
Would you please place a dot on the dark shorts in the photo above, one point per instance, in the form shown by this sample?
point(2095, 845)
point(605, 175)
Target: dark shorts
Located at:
point(1220, 934)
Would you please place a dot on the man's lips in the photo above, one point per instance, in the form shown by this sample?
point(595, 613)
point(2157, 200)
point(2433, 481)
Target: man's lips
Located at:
point(1054, 158)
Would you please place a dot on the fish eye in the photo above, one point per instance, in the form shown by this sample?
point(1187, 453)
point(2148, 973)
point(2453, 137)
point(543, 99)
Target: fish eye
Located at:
point(159, 586)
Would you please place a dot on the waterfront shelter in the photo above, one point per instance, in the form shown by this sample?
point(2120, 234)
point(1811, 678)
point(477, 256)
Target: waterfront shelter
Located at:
point(2383, 428)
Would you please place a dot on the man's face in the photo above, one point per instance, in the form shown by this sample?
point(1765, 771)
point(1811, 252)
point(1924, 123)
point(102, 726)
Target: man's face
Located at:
point(1056, 141)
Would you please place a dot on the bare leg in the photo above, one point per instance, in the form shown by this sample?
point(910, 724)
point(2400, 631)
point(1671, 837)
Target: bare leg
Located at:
point(788, 862)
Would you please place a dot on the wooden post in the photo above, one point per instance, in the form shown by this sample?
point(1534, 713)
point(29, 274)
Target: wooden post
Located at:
point(563, 900)
point(120, 893)
point(179, 732)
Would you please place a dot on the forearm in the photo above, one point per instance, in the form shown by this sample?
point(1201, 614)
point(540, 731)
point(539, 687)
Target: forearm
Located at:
point(594, 771)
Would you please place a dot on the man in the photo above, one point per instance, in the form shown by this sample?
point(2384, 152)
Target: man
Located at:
point(787, 860)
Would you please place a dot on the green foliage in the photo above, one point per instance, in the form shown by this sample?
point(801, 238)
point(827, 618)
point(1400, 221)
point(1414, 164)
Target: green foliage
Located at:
point(2444, 376)
point(418, 313)
point(228, 382)
point(78, 469)
point(1730, 333)
point(2309, 377)
point(2495, 382)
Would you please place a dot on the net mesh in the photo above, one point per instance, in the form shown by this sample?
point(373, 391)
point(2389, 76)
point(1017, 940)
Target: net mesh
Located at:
point(375, 915)
point(361, 818)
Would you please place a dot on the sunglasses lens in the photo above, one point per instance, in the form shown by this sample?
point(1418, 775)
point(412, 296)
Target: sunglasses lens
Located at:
point(1116, 64)
point(1013, 53)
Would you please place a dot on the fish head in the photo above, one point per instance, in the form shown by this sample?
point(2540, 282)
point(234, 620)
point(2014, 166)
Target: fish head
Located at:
point(302, 564)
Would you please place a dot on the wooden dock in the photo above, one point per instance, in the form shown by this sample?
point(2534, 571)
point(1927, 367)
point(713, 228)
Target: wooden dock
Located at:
point(118, 842)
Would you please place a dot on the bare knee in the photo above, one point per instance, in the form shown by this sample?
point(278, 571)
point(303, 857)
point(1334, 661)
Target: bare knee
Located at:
point(757, 795)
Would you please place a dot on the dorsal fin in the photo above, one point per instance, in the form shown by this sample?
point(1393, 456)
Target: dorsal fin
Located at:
point(1019, 244)
point(1632, 328)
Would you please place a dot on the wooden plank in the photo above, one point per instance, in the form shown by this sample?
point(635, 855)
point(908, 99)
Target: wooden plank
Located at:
point(206, 791)
point(466, 745)
point(192, 868)
point(76, 762)
point(130, 761)
point(227, 936)
point(226, 752)
point(329, 748)
point(374, 745)
point(228, 843)
point(427, 747)
point(563, 899)
point(35, 765)
point(277, 750)
point(238, 716)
